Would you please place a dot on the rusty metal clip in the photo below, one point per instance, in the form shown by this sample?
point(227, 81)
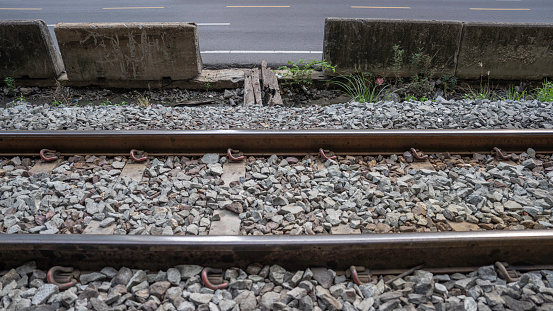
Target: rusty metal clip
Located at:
point(417, 155)
point(49, 155)
point(500, 155)
point(63, 277)
point(234, 158)
point(139, 155)
point(507, 275)
point(359, 278)
point(324, 156)
point(209, 280)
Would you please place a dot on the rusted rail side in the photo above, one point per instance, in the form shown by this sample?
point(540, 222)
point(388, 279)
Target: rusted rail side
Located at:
point(253, 142)
point(376, 251)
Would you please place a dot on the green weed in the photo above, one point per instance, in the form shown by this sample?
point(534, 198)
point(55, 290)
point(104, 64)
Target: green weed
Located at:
point(362, 87)
point(410, 98)
point(485, 92)
point(512, 94)
point(10, 83)
point(448, 82)
point(143, 101)
point(398, 62)
point(545, 93)
point(422, 62)
point(300, 72)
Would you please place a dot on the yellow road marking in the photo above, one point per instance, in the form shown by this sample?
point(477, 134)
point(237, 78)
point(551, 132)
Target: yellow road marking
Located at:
point(381, 7)
point(135, 7)
point(258, 6)
point(493, 9)
point(23, 9)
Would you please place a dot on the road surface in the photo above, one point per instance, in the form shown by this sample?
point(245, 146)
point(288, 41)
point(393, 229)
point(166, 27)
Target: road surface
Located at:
point(244, 32)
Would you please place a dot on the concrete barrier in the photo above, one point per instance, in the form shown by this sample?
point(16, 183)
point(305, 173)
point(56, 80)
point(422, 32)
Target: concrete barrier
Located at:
point(507, 51)
point(129, 51)
point(27, 51)
point(468, 50)
point(366, 45)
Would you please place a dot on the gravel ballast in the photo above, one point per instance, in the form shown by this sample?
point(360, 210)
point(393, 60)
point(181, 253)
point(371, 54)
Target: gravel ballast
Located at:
point(280, 195)
point(454, 114)
point(264, 287)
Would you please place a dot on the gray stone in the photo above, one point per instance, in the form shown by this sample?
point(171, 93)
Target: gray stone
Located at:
point(529, 163)
point(512, 206)
point(123, 276)
point(268, 299)
point(26, 269)
point(173, 276)
point(9, 277)
point(277, 274)
point(519, 305)
point(487, 273)
point(43, 293)
point(390, 305)
point(188, 271)
point(291, 209)
point(68, 297)
point(326, 299)
point(98, 304)
point(369, 290)
point(138, 277)
point(91, 277)
point(305, 304)
point(210, 158)
point(110, 272)
point(323, 276)
point(227, 305)
point(296, 293)
point(470, 304)
point(246, 301)
point(158, 289)
point(200, 299)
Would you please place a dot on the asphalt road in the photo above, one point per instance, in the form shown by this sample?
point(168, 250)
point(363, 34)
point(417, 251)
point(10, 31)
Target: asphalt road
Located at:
point(244, 32)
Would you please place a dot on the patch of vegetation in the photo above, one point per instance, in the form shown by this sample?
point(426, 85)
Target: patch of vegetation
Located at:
point(545, 93)
point(61, 95)
point(398, 63)
point(300, 72)
point(511, 93)
point(10, 83)
point(143, 101)
point(362, 87)
point(485, 91)
point(448, 83)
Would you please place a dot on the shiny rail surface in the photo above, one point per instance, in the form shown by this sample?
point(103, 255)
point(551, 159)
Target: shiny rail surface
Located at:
point(375, 251)
point(290, 142)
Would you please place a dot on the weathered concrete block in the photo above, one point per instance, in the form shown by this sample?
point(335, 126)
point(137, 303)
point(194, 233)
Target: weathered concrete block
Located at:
point(366, 45)
point(27, 51)
point(129, 51)
point(508, 51)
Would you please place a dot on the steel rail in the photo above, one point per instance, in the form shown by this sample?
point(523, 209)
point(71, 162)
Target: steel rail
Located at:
point(374, 251)
point(290, 142)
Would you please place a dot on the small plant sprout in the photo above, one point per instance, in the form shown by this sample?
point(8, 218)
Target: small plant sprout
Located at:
point(300, 72)
point(10, 83)
point(398, 62)
point(361, 87)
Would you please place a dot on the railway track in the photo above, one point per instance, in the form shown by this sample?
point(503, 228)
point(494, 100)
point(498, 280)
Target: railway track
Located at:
point(273, 181)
